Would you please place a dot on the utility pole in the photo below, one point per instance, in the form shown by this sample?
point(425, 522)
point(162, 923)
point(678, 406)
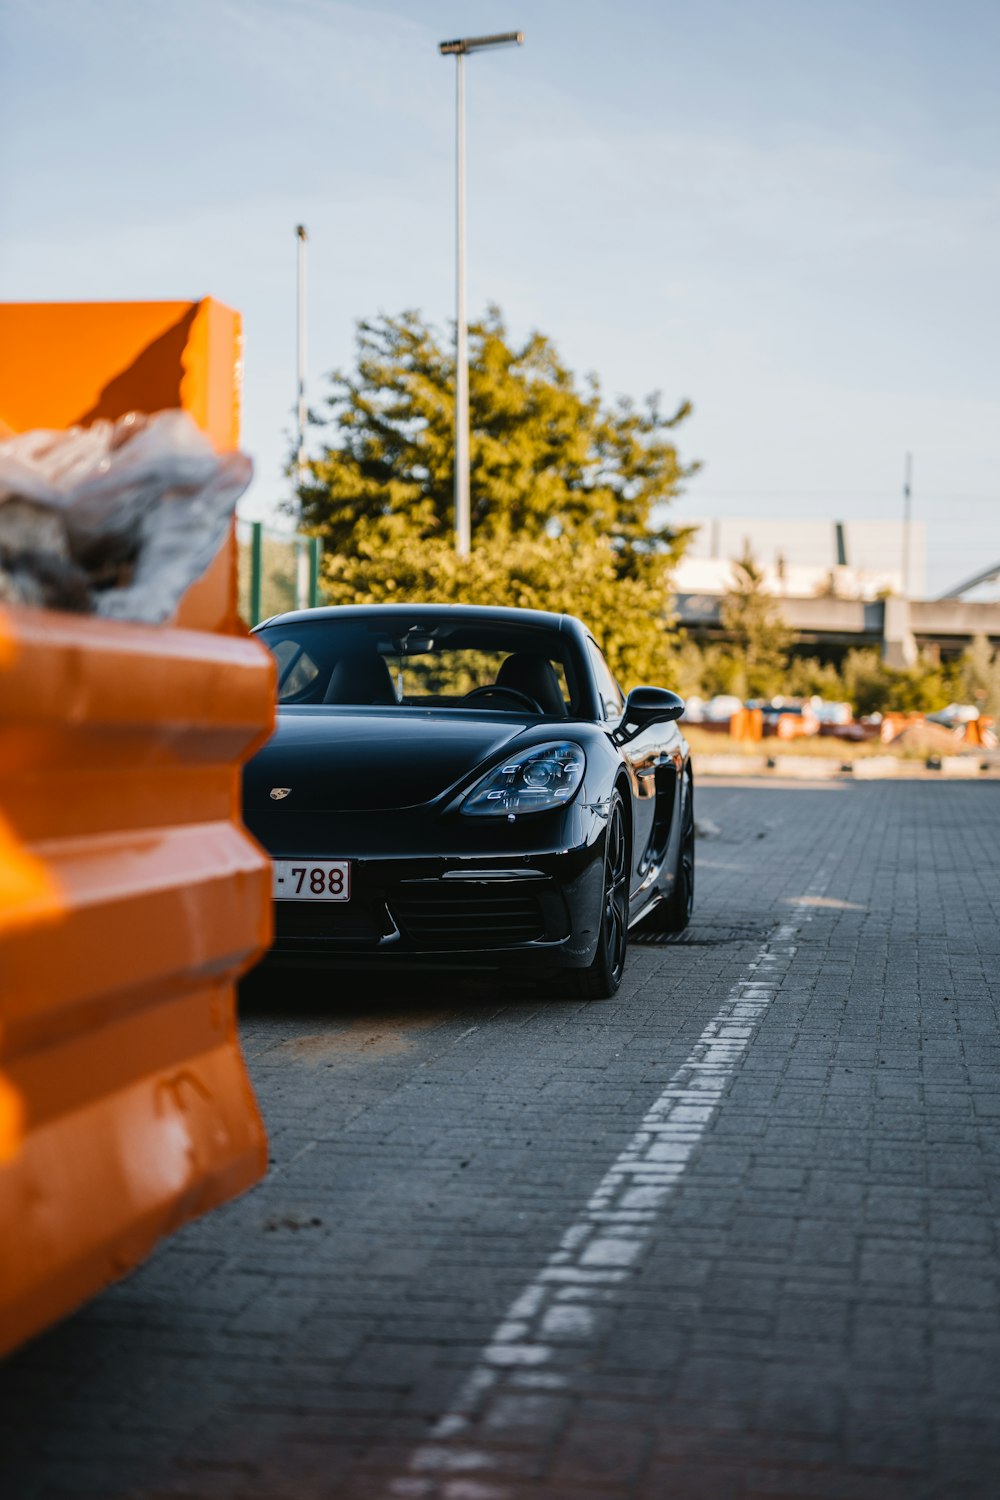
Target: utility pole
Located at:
point(907, 493)
point(463, 505)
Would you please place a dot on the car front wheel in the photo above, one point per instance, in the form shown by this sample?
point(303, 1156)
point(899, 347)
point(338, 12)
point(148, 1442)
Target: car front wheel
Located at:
point(601, 980)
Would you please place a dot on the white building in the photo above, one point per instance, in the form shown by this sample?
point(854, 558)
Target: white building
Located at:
point(803, 558)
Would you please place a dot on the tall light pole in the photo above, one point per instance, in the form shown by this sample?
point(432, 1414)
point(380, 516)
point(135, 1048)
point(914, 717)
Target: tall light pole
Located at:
point(300, 352)
point(305, 563)
point(460, 49)
point(907, 497)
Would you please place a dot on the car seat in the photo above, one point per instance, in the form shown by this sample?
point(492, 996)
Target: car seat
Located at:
point(360, 677)
point(527, 672)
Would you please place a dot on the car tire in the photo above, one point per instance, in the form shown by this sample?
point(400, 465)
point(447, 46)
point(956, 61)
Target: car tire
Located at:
point(674, 914)
point(602, 978)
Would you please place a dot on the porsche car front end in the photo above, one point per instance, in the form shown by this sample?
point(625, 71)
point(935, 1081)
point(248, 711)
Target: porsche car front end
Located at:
point(492, 860)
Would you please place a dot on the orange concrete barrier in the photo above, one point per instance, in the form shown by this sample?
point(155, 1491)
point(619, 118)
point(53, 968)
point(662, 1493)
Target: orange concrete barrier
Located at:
point(893, 725)
point(747, 724)
point(131, 898)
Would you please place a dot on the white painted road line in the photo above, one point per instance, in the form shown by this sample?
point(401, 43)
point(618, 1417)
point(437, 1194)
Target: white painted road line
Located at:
point(546, 1329)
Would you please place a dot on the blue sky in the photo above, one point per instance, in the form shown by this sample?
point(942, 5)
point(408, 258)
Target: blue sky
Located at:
point(787, 211)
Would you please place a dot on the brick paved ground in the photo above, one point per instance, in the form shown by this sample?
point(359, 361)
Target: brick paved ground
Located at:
point(809, 1308)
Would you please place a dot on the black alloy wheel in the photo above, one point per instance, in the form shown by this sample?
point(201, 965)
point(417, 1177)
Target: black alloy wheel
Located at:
point(601, 980)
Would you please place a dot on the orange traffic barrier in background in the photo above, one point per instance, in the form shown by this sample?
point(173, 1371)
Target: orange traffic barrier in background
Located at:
point(131, 897)
point(894, 724)
point(747, 724)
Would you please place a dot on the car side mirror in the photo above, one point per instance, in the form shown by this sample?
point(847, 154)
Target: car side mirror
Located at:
point(645, 706)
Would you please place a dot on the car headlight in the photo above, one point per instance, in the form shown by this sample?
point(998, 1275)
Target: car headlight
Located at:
point(540, 778)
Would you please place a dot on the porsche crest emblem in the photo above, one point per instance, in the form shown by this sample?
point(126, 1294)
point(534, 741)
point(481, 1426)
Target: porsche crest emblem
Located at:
point(278, 792)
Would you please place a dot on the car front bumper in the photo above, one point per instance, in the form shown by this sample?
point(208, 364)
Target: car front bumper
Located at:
point(526, 908)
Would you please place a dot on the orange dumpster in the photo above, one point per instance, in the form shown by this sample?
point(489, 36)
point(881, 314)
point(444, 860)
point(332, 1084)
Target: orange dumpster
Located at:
point(68, 364)
point(131, 898)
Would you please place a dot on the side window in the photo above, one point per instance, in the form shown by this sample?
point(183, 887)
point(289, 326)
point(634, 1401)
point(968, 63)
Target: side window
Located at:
point(560, 671)
point(296, 670)
point(608, 690)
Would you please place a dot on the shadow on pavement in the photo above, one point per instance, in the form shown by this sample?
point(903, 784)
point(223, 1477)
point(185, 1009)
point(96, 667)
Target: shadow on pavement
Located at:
point(351, 994)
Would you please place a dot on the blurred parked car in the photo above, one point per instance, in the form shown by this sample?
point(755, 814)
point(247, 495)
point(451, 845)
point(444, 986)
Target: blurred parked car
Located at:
point(789, 718)
point(720, 709)
point(830, 713)
point(954, 715)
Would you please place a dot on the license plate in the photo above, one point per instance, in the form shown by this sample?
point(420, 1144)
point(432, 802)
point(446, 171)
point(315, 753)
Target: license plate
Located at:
point(312, 880)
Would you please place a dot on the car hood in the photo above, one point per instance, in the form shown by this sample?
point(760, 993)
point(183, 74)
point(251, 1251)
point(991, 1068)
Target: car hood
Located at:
point(361, 760)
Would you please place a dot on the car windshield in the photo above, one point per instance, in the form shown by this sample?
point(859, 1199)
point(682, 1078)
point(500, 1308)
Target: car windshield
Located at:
point(425, 662)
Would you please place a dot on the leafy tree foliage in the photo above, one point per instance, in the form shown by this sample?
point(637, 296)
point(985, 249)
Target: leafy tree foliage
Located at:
point(546, 459)
point(874, 687)
point(978, 677)
point(568, 493)
point(580, 577)
point(809, 677)
point(863, 679)
point(760, 639)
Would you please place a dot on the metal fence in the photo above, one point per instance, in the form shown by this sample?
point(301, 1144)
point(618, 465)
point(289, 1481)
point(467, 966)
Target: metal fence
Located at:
point(278, 571)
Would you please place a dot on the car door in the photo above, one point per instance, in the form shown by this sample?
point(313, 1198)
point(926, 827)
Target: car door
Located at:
point(643, 755)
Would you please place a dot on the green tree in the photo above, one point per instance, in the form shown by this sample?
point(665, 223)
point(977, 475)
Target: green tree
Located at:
point(760, 639)
point(875, 688)
point(807, 675)
point(977, 678)
point(568, 493)
point(545, 457)
point(556, 573)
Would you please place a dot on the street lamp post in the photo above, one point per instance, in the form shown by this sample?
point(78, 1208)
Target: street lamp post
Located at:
point(460, 49)
point(305, 551)
point(300, 352)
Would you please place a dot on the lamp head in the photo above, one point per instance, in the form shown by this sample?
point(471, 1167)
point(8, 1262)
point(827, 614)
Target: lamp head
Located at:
point(462, 45)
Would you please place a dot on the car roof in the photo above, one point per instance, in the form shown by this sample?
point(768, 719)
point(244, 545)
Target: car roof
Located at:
point(474, 613)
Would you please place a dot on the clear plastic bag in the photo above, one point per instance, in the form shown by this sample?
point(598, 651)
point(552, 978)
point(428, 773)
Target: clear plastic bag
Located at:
point(118, 518)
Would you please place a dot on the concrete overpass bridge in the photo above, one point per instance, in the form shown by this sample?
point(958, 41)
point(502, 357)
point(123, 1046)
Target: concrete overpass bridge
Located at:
point(898, 627)
point(978, 580)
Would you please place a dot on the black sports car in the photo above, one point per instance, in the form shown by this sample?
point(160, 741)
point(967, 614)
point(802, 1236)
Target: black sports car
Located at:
point(458, 785)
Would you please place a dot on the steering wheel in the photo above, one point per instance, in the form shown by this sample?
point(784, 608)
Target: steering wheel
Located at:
point(493, 690)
